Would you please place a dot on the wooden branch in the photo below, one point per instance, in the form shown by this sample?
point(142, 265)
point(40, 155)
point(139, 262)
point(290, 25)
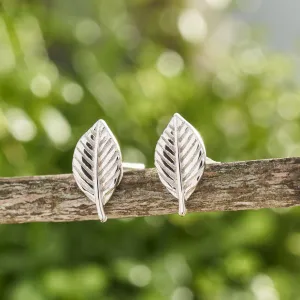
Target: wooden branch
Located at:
point(227, 186)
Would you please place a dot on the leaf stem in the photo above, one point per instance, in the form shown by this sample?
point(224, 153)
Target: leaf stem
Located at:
point(98, 194)
point(181, 199)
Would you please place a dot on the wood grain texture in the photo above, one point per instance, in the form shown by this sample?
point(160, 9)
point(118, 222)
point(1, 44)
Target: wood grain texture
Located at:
point(227, 186)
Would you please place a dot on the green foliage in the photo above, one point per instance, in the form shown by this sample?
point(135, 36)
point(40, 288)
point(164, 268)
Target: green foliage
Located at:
point(65, 64)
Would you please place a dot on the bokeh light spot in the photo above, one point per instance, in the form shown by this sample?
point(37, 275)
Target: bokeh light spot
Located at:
point(170, 64)
point(129, 36)
point(152, 85)
point(251, 60)
point(289, 106)
point(218, 4)
point(140, 275)
point(263, 111)
point(263, 288)
point(72, 93)
point(232, 122)
point(40, 86)
point(182, 293)
point(56, 126)
point(106, 92)
point(20, 125)
point(178, 268)
point(192, 26)
point(227, 85)
point(87, 31)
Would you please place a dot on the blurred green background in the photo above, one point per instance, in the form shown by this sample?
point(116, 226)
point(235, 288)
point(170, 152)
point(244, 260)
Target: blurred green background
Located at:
point(65, 64)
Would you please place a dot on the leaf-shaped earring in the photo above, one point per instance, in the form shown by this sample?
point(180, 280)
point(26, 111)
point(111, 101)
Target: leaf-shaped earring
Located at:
point(180, 159)
point(97, 165)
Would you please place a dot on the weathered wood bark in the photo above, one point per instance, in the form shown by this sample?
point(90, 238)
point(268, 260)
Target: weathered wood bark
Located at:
point(226, 186)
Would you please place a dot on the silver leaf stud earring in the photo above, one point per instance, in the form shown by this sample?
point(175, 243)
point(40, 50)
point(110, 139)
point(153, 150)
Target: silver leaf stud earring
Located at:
point(97, 165)
point(180, 159)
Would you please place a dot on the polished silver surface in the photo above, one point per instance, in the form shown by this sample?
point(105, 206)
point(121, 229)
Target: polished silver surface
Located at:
point(180, 159)
point(97, 165)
